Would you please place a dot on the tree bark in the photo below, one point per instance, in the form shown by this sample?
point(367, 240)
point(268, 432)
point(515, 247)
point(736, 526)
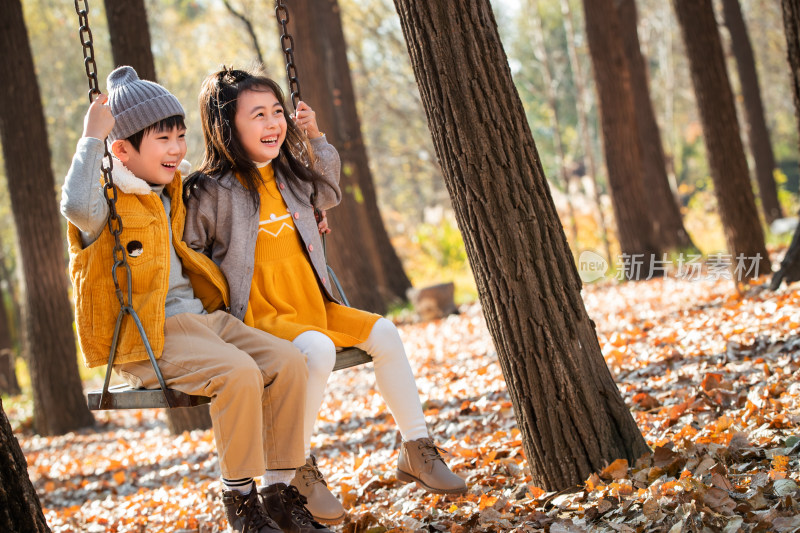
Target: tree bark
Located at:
point(58, 402)
point(668, 229)
point(130, 36)
point(620, 137)
point(540, 49)
point(726, 157)
point(20, 509)
point(583, 120)
point(133, 48)
point(757, 132)
point(790, 266)
point(571, 415)
point(8, 374)
point(322, 61)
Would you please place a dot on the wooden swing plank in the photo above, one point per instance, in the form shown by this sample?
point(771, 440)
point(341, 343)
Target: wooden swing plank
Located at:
point(126, 397)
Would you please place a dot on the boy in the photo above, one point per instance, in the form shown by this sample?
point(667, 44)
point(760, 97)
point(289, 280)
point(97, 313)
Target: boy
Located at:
point(256, 381)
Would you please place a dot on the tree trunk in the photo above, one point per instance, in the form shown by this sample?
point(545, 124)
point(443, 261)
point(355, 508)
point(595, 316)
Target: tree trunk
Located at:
point(20, 509)
point(322, 62)
point(132, 48)
point(726, 157)
point(620, 138)
point(757, 132)
point(668, 229)
point(540, 49)
point(583, 120)
point(8, 374)
point(790, 266)
point(58, 402)
point(571, 415)
point(130, 36)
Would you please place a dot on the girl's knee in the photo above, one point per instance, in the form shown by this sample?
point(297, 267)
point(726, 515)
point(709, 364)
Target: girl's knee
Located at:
point(319, 349)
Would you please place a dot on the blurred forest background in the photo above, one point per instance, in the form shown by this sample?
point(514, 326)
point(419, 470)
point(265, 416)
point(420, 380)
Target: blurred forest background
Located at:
point(191, 38)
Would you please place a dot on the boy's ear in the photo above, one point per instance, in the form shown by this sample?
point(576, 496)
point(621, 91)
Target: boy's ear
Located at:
point(121, 149)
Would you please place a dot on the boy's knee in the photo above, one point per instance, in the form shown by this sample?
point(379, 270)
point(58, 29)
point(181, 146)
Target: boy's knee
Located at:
point(246, 375)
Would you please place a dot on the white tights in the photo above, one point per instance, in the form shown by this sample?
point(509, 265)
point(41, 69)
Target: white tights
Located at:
point(392, 373)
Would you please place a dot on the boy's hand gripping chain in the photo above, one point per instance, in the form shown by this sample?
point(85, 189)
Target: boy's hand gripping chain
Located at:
point(114, 223)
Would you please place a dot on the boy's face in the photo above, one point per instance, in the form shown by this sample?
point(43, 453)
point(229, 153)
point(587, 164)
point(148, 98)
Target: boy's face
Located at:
point(158, 156)
point(260, 125)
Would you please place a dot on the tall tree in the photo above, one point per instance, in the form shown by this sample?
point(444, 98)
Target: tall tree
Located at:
point(757, 132)
point(583, 119)
point(540, 49)
point(20, 509)
point(726, 157)
point(321, 54)
point(668, 229)
point(132, 48)
point(790, 266)
point(620, 134)
point(58, 403)
point(130, 36)
point(572, 418)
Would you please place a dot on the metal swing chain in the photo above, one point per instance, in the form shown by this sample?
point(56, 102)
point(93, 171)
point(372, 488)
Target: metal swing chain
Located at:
point(109, 191)
point(120, 256)
point(287, 45)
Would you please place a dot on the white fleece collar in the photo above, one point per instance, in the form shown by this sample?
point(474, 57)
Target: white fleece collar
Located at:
point(129, 183)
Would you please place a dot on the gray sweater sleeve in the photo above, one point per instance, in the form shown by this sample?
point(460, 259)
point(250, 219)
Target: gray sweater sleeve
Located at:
point(329, 165)
point(82, 200)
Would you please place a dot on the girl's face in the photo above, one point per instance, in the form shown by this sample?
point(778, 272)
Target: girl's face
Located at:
point(260, 125)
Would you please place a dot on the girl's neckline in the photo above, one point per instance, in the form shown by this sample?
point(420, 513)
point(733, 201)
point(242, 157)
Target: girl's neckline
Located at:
point(262, 165)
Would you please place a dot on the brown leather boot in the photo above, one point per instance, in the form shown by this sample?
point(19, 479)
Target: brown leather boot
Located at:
point(286, 506)
point(246, 513)
point(421, 462)
point(323, 505)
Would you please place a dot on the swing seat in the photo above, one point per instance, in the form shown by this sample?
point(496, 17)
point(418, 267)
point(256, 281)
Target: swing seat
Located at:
point(126, 397)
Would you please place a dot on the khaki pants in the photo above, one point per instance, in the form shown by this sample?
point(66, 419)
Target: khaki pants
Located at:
point(256, 382)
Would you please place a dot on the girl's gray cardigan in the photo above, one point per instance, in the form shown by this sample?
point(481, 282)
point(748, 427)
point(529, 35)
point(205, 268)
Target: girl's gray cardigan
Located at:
point(222, 223)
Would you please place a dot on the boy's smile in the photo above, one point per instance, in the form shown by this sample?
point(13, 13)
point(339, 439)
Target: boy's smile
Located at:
point(260, 125)
point(158, 156)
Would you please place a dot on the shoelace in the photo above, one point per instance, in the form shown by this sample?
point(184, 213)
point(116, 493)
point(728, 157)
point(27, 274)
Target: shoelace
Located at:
point(254, 514)
point(292, 497)
point(429, 449)
point(311, 475)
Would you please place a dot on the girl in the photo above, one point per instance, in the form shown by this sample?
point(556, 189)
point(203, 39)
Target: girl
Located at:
point(251, 209)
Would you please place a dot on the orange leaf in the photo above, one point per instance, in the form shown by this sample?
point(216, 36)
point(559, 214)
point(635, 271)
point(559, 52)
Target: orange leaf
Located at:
point(119, 477)
point(486, 501)
point(616, 470)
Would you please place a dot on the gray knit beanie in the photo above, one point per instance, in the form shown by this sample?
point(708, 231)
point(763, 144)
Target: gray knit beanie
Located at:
point(137, 104)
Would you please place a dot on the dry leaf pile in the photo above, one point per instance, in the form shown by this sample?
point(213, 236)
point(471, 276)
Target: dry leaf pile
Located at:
point(711, 378)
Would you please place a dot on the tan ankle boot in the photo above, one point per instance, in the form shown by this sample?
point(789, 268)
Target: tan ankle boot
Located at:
point(420, 461)
point(323, 505)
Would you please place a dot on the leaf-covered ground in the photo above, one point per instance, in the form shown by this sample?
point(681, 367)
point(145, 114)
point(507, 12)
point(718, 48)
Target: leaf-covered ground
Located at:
point(711, 377)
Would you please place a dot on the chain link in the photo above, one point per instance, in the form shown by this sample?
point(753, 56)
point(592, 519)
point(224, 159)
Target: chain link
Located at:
point(109, 190)
point(287, 45)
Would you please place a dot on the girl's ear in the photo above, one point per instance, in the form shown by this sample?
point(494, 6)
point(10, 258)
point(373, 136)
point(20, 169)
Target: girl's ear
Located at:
point(121, 149)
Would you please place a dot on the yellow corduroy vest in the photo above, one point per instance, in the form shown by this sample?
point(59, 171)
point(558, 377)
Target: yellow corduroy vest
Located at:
point(145, 234)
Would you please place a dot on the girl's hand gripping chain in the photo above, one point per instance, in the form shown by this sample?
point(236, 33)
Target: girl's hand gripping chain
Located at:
point(99, 121)
point(306, 120)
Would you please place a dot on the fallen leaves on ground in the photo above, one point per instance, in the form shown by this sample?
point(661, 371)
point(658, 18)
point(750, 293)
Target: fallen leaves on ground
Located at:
point(710, 375)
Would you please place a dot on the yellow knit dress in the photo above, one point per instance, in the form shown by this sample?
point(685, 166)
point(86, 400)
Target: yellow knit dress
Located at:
point(285, 297)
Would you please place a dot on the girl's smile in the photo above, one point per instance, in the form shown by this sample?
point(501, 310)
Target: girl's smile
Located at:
point(260, 124)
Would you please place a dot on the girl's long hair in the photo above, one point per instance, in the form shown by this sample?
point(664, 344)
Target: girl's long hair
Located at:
point(224, 152)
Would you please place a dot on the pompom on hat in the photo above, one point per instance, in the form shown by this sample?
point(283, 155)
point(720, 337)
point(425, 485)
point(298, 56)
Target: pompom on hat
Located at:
point(137, 104)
